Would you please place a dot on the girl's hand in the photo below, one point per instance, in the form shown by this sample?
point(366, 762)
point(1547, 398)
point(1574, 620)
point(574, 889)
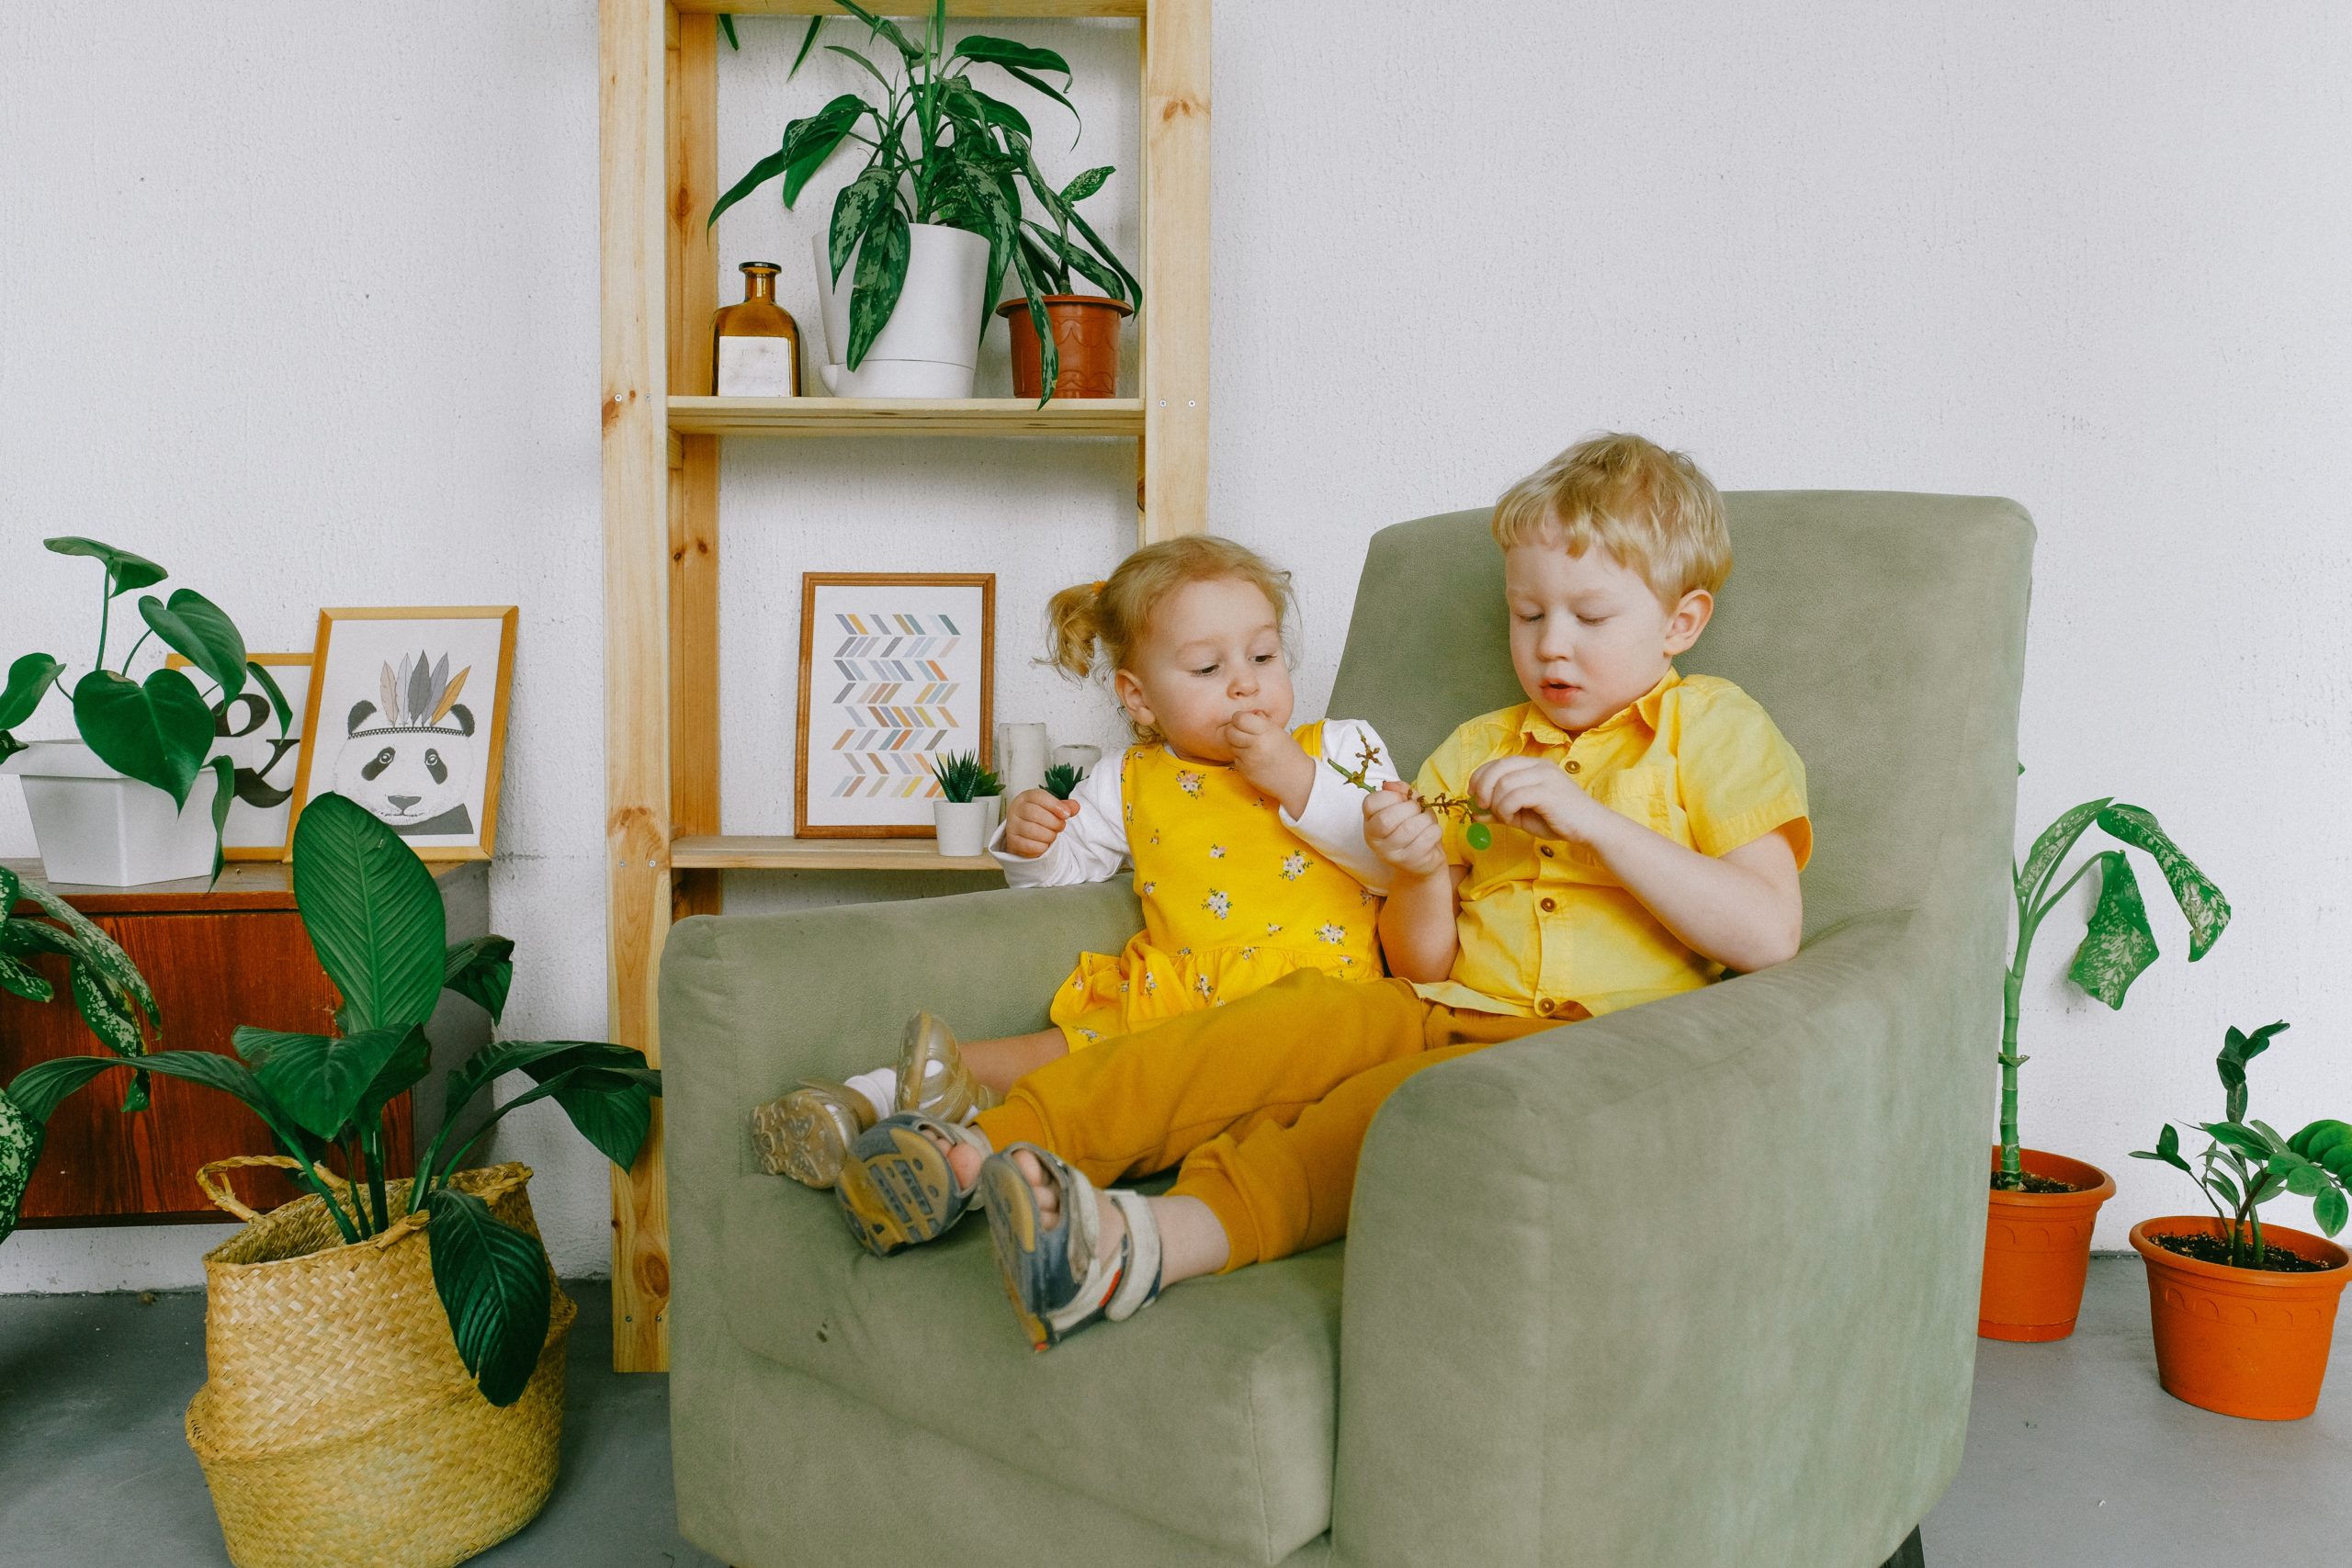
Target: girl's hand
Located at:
point(1537, 797)
point(1034, 821)
point(1403, 832)
point(1270, 757)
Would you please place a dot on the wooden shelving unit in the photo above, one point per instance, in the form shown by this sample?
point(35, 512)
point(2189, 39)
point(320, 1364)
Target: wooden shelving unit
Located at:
point(665, 856)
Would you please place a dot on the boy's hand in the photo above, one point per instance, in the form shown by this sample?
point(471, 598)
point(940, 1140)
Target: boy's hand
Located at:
point(1403, 832)
point(1034, 821)
point(1270, 758)
point(1537, 797)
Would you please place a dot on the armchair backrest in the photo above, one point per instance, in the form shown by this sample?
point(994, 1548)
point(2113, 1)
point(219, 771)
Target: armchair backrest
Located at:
point(1883, 631)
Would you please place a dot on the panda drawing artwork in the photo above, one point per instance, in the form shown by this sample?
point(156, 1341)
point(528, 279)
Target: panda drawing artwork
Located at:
point(409, 756)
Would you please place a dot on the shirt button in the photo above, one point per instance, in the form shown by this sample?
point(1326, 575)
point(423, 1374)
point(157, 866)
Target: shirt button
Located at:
point(1547, 1007)
point(1547, 851)
point(1575, 766)
point(1549, 905)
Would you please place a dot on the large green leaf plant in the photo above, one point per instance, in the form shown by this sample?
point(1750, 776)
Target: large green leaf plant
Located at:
point(943, 151)
point(2117, 945)
point(375, 920)
point(156, 730)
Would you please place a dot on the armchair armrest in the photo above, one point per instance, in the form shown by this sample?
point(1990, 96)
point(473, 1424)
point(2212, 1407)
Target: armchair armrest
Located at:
point(1602, 1282)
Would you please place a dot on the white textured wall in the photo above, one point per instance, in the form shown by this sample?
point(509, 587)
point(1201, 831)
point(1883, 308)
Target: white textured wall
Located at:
point(304, 305)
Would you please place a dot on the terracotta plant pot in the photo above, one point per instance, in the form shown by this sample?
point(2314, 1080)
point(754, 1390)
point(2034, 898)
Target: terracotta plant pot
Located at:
point(2241, 1341)
point(2037, 1249)
point(1086, 335)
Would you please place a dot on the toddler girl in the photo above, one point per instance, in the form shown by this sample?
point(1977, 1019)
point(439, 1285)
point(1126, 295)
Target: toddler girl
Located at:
point(1249, 850)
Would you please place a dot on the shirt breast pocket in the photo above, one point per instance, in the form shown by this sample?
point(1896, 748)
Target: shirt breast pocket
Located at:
point(1645, 794)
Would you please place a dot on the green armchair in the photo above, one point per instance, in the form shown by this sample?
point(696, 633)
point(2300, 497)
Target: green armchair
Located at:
point(1719, 1304)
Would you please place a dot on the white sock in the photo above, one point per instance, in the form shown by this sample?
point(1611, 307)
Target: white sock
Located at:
point(880, 1090)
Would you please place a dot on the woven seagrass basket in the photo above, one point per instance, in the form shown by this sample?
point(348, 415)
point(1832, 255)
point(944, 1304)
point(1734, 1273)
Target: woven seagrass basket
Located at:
point(337, 1427)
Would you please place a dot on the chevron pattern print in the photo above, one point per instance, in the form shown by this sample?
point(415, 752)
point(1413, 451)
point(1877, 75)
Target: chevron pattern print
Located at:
point(894, 674)
point(893, 707)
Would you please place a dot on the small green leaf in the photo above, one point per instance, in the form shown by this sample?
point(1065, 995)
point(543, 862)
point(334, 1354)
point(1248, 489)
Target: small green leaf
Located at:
point(2314, 1140)
point(726, 26)
point(1006, 53)
point(882, 27)
point(1086, 185)
point(19, 978)
point(2118, 947)
point(481, 971)
point(157, 733)
point(812, 141)
point(268, 684)
point(202, 632)
point(2330, 1209)
point(881, 275)
point(2223, 1185)
point(2308, 1182)
point(29, 679)
point(126, 570)
point(2242, 1138)
point(107, 1012)
point(493, 1284)
point(2200, 902)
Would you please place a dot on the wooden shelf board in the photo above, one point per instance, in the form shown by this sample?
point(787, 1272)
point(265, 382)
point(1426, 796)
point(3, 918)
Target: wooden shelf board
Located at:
point(752, 852)
point(905, 416)
point(1134, 8)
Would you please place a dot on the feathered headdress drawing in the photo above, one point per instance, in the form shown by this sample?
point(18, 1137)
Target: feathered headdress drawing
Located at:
point(418, 693)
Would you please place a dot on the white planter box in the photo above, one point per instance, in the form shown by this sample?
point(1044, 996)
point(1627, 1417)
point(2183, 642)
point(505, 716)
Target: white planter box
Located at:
point(97, 826)
point(931, 342)
point(964, 825)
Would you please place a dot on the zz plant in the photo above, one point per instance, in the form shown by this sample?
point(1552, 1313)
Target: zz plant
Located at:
point(155, 730)
point(943, 151)
point(375, 920)
point(2117, 944)
point(2248, 1164)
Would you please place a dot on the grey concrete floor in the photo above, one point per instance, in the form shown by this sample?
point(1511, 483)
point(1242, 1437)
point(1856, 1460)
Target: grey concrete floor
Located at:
point(2075, 1458)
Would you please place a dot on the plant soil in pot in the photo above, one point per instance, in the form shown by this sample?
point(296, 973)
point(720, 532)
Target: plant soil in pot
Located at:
point(1086, 332)
point(2037, 1249)
point(2249, 1342)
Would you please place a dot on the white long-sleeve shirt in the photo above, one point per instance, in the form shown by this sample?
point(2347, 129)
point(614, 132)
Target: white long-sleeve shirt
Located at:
point(1093, 845)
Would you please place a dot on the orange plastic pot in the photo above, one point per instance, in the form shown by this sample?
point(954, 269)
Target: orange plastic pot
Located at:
point(2242, 1341)
point(1086, 336)
point(2037, 1249)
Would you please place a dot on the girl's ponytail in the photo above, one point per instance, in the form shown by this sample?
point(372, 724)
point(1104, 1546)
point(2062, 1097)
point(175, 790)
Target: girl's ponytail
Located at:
point(1074, 621)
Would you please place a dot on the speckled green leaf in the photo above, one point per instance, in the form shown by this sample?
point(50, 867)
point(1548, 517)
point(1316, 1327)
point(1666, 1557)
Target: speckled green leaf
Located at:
point(2055, 841)
point(19, 1152)
point(881, 276)
point(94, 947)
point(2200, 902)
point(108, 1014)
point(2119, 945)
point(21, 979)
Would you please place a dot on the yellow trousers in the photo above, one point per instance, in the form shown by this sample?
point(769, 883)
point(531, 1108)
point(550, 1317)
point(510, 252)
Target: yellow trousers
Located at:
point(1264, 1103)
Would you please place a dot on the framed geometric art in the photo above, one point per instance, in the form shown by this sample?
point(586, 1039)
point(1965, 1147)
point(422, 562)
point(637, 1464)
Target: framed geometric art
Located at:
point(266, 762)
point(895, 670)
point(407, 716)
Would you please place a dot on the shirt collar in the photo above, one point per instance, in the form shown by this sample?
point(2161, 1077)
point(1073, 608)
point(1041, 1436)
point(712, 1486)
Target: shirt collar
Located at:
point(1536, 727)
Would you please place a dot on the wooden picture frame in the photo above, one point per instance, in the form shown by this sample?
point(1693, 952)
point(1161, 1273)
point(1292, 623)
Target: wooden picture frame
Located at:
point(262, 830)
point(870, 791)
point(450, 821)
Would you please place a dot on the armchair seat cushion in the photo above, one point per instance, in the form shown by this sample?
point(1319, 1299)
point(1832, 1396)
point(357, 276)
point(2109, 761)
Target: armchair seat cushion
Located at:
point(1212, 1413)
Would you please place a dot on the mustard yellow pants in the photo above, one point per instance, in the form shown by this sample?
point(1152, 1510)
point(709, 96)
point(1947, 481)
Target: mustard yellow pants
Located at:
point(1264, 1102)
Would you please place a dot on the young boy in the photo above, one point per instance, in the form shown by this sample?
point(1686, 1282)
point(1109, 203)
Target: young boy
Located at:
point(1644, 832)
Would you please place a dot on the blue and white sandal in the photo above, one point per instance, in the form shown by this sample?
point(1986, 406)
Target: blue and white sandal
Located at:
point(897, 1189)
point(1057, 1276)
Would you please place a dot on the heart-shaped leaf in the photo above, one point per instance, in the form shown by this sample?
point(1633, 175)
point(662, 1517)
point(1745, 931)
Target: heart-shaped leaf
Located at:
point(373, 914)
point(29, 679)
point(493, 1284)
point(319, 1078)
point(202, 631)
point(157, 733)
point(125, 571)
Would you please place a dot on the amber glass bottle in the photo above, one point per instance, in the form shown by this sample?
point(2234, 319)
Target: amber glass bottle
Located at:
point(755, 346)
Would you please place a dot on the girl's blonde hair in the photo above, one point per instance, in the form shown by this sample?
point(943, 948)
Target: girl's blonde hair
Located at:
point(1652, 509)
point(1097, 626)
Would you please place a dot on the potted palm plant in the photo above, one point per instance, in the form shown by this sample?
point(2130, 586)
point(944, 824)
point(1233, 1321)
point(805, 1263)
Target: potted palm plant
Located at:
point(2243, 1313)
point(384, 1355)
point(927, 228)
point(134, 799)
point(2044, 1205)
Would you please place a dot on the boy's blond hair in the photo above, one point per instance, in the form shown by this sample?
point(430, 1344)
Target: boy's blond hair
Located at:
point(1098, 625)
point(1650, 508)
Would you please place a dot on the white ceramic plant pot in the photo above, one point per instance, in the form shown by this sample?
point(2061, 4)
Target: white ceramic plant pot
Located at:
point(964, 825)
point(95, 826)
point(930, 344)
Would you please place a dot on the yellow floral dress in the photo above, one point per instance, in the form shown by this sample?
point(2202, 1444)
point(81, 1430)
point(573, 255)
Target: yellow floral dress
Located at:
point(1232, 900)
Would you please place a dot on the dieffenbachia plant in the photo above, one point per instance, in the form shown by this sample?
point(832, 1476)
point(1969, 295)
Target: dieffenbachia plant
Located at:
point(375, 920)
point(2118, 944)
point(942, 152)
point(155, 730)
point(2248, 1164)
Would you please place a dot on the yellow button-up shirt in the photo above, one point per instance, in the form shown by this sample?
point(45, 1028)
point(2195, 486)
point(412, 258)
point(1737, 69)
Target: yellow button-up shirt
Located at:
point(1544, 929)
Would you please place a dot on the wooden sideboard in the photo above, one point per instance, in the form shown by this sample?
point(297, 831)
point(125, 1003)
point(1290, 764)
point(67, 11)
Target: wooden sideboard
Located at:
point(219, 955)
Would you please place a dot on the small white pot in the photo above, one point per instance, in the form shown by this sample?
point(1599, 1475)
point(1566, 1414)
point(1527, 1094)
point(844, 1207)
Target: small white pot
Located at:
point(97, 826)
point(964, 825)
point(931, 342)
